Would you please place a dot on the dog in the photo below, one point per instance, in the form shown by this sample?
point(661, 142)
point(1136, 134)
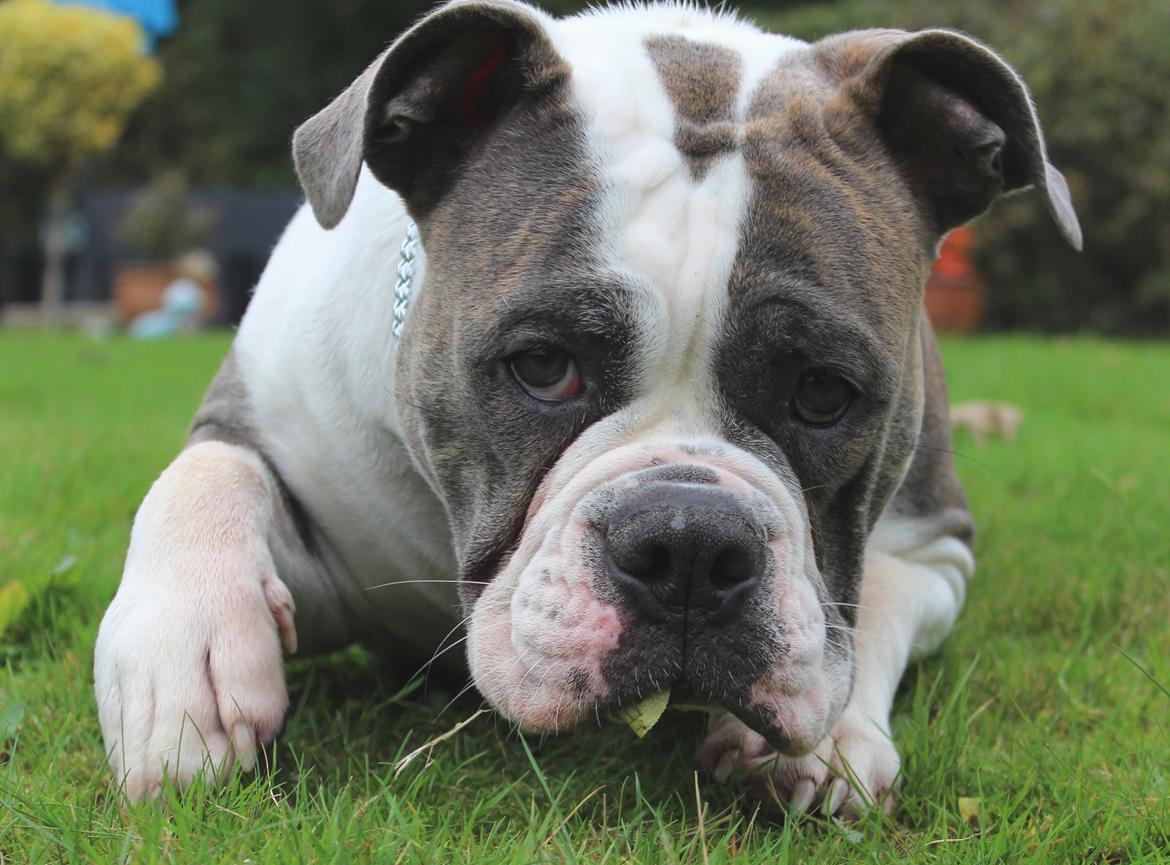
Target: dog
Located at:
point(602, 339)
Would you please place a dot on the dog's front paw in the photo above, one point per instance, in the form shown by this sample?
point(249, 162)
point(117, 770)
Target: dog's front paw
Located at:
point(856, 767)
point(188, 670)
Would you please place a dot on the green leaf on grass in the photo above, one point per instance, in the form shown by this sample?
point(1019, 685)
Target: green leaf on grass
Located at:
point(641, 717)
point(14, 597)
point(11, 714)
point(969, 809)
point(64, 566)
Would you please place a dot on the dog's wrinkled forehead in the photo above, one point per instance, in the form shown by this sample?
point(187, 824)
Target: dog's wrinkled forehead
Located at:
point(726, 180)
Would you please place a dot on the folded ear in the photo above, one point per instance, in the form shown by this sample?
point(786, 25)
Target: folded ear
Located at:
point(957, 118)
point(419, 112)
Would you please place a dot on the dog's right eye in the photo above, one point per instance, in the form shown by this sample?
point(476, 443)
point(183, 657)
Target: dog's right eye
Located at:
point(547, 373)
point(822, 397)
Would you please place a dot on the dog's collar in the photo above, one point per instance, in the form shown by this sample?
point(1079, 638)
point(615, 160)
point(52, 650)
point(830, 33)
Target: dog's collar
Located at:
point(404, 281)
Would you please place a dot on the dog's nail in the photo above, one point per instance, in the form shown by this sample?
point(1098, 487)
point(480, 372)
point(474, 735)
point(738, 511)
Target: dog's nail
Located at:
point(802, 796)
point(726, 766)
point(288, 636)
point(244, 744)
point(280, 604)
point(837, 795)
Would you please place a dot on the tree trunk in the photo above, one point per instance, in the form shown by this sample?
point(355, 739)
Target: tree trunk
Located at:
point(56, 247)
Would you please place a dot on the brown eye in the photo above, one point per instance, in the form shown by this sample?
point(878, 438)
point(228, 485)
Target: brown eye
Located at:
point(822, 397)
point(547, 373)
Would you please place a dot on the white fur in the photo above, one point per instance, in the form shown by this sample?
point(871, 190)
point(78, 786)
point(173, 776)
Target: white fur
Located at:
point(316, 355)
point(318, 359)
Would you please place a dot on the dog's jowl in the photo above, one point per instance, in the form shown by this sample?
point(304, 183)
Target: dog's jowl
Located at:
point(663, 410)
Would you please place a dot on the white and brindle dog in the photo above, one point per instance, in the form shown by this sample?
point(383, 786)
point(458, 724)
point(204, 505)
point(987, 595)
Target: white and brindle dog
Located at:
point(664, 410)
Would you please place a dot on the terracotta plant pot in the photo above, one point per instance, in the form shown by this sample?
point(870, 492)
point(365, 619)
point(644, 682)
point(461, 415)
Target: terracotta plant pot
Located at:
point(139, 287)
point(955, 295)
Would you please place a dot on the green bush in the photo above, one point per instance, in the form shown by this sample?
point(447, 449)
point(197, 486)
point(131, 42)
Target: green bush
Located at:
point(1100, 74)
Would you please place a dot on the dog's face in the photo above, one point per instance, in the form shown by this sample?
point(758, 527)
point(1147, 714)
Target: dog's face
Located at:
point(665, 369)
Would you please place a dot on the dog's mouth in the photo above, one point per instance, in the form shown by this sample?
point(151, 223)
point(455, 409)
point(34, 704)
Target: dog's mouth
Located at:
point(793, 723)
point(553, 660)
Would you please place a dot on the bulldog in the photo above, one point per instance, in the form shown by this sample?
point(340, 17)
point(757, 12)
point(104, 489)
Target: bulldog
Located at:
point(650, 401)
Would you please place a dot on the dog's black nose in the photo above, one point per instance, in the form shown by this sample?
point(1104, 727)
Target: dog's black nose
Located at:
point(676, 546)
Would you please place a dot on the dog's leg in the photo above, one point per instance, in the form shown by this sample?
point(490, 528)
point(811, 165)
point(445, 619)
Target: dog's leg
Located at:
point(909, 601)
point(187, 669)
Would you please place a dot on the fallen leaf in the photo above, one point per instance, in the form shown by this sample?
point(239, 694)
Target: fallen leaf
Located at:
point(14, 597)
point(641, 717)
point(65, 565)
point(10, 717)
point(969, 809)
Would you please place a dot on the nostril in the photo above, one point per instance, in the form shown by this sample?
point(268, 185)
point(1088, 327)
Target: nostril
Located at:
point(731, 567)
point(650, 563)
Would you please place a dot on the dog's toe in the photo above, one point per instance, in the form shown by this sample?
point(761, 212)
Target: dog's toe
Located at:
point(855, 769)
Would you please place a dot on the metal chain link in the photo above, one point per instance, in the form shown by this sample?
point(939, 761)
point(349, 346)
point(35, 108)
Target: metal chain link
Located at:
point(407, 256)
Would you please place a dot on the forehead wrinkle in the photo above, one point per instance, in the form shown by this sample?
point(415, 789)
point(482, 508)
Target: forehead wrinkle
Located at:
point(672, 229)
point(651, 206)
point(581, 302)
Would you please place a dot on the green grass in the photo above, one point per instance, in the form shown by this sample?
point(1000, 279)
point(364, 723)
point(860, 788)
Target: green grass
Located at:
point(1045, 703)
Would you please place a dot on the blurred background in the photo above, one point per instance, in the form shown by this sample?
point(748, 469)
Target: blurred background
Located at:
point(144, 152)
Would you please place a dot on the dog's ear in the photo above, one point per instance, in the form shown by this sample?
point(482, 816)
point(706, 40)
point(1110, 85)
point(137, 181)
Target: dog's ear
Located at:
point(419, 112)
point(958, 120)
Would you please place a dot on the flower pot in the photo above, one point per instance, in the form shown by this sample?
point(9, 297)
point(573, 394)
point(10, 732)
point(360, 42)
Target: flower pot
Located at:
point(139, 287)
point(954, 306)
point(955, 295)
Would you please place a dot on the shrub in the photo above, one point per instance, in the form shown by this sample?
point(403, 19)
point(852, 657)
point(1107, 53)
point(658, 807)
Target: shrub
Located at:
point(69, 78)
point(161, 222)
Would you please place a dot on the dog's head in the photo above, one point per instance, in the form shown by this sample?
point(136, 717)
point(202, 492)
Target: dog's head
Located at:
point(665, 371)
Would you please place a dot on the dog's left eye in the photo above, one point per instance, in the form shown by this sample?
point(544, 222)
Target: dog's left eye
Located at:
point(822, 397)
point(547, 373)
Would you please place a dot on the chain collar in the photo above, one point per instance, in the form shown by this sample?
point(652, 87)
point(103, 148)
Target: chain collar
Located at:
point(403, 282)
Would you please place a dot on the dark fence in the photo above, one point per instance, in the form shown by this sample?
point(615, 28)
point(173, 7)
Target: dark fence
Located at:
point(245, 229)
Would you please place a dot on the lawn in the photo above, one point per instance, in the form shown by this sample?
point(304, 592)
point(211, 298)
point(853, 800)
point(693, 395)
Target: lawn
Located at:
point(1048, 704)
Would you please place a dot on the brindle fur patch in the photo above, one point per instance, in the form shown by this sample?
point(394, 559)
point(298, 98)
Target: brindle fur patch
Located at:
point(702, 80)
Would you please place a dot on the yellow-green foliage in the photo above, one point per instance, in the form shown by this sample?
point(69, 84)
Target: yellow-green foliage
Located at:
point(69, 78)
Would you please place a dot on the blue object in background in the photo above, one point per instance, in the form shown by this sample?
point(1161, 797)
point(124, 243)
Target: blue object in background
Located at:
point(157, 18)
point(181, 308)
